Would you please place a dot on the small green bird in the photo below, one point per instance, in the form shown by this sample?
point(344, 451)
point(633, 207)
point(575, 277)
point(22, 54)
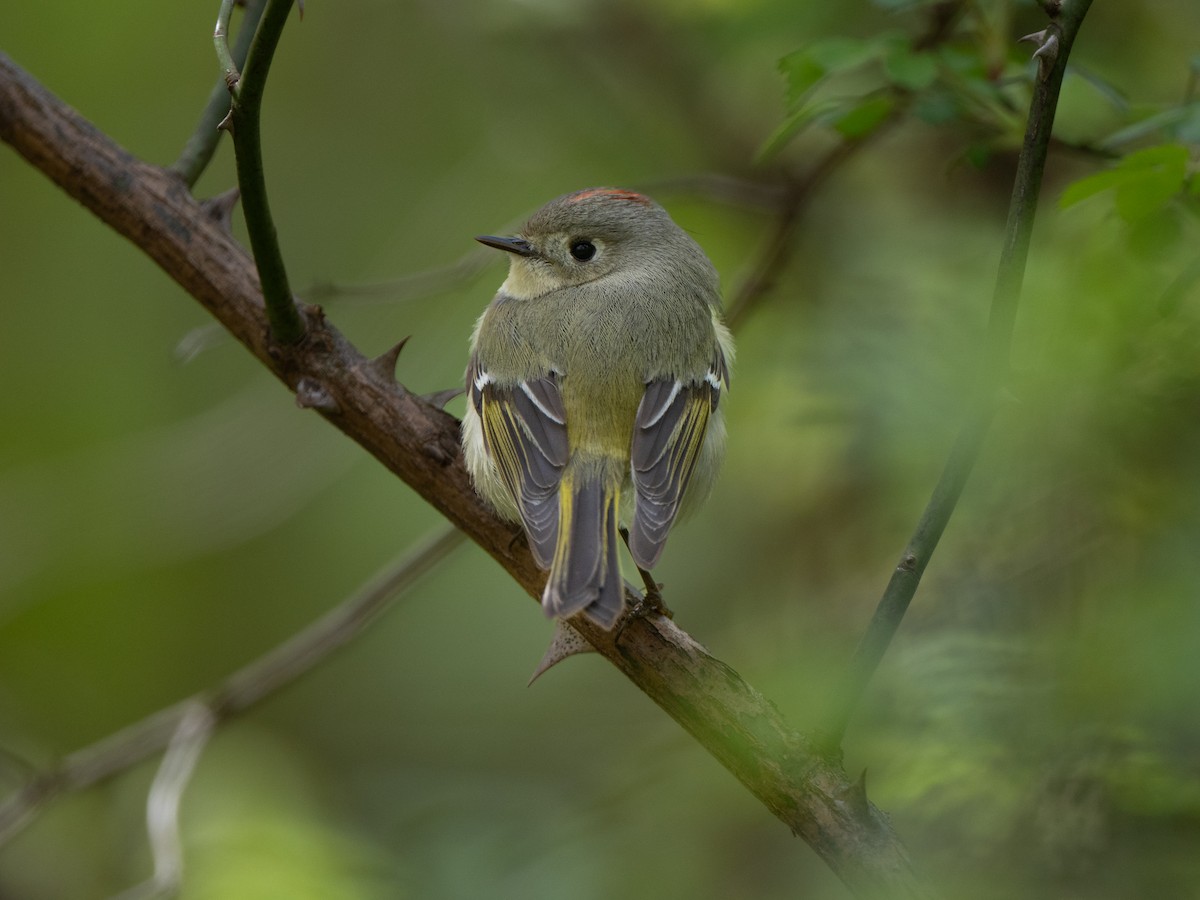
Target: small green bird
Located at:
point(595, 379)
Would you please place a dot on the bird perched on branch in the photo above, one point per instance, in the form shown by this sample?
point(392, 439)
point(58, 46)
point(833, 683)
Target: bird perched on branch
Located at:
point(594, 384)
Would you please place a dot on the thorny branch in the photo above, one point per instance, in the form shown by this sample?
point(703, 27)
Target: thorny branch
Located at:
point(1054, 46)
point(420, 444)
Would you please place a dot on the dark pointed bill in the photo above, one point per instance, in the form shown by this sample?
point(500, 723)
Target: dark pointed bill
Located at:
point(516, 245)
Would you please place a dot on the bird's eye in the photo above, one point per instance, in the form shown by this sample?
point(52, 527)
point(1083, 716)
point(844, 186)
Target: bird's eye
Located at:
point(583, 250)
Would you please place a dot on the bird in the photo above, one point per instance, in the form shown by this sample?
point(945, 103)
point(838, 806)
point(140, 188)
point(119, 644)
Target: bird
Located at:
point(593, 391)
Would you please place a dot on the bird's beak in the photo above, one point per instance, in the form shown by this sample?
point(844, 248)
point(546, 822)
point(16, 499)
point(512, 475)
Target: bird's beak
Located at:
point(516, 245)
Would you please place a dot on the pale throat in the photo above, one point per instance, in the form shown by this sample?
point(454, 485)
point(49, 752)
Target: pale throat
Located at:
point(526, 281)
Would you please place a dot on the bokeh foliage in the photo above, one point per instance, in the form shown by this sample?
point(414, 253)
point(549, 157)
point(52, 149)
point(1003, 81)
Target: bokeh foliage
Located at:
point(164, 517)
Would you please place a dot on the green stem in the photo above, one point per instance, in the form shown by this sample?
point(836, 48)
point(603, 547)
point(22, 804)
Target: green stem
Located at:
point(1052, 63)
point(198, 151)
point(221, 42)
point(287, 325)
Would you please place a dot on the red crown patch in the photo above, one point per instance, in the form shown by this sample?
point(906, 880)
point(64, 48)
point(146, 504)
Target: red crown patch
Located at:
point(614, 193)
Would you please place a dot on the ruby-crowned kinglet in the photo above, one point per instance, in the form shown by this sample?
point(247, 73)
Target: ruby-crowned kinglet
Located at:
point(594, 380)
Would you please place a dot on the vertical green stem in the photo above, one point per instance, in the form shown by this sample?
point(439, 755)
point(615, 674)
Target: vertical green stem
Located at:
point(1052, 56)
point(287, 325)
point(198, 152)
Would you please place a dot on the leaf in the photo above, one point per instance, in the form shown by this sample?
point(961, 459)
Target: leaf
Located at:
point(1143, 182)
point(910, 70)
point(807, 67)
point(795, 123)
point(978, 155)
point(803, 73)
point(936, 107)
point(1155, 237)
point(1088, 187)
point(863, 118)
point(839, 54)
point(1153, 177)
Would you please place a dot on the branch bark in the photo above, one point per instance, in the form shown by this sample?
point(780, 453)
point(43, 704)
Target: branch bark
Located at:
point(153, 208)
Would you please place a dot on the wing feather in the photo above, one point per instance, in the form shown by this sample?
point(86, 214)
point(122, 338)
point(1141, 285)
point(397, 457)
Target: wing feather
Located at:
point(525, 432)
point(668, 435)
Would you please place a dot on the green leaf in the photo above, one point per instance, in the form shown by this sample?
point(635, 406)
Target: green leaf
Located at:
point(1155, 237)
point(839, 54)
point(936, 107)
point(803, 73)
point(807, 67)
point(1143, 182)
point(794, 124)
point(1153, 177)
point(1088, 187)
point(863, 118)
point(910, 70)
point(977, 155)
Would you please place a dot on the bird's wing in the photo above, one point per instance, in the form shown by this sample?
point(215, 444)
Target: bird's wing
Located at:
point(667, 436)
point(525, 432)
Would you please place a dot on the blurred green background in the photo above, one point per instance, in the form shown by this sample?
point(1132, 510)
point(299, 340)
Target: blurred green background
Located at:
point(166, 515)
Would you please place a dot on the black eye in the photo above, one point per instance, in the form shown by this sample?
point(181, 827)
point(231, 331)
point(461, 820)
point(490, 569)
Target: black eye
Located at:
point(583, 250)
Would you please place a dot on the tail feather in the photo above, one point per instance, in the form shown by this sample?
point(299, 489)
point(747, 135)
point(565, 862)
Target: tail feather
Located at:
point(585, 573)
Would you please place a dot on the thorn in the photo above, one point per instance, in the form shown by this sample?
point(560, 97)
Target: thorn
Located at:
point(1047, 52)
point(385, 363)
point(441, 398)
point(1047, 55)
point(220, 207)
point(565, 642)
point(312, 394)
point(226, 124)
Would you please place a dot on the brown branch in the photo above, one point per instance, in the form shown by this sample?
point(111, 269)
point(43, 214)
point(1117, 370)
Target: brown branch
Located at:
point(419, 443)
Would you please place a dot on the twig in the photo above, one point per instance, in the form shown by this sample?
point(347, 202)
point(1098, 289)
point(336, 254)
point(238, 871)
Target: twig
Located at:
point(200, 147)
point(287, 325)
point(231, 70)
point(777, 251)
point(1054, 48)
point(162, 804)
point(744, 731)
point(426, 283)
point(245, 687)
